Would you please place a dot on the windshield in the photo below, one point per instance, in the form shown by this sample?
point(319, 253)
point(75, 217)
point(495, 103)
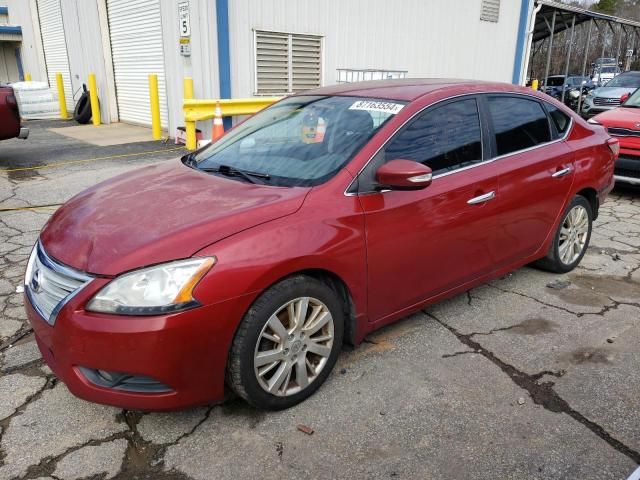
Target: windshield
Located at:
point(555, 81)
point(300, 141)
point(609, 70)
point(625, 81)
point(600, 61)
point(577, 80)
point(633, 101)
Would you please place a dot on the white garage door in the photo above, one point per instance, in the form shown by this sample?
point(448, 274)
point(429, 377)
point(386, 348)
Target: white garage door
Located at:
point(55, 47)
point(136, 45)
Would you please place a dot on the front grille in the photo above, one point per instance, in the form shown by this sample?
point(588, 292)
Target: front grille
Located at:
point(606, 102)
point(49, 284)
point(623, 132)
point(626, 172)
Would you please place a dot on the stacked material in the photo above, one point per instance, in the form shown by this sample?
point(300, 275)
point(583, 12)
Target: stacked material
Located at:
point(36, 100)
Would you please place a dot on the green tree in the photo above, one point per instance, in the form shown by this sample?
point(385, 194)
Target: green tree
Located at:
point(606, 6)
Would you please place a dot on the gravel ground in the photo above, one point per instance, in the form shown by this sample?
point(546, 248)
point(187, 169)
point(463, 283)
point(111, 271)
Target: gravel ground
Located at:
point(531, 376)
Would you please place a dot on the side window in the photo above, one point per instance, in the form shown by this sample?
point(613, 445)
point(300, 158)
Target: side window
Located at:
point(443, 138)
point(560, 119)
point(518, 123)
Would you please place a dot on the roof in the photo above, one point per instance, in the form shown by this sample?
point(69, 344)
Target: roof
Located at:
point(563, 21)
point(407, 89)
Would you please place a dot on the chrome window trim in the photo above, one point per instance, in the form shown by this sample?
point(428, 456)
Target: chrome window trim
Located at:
point(468, 167)
point(63, 270)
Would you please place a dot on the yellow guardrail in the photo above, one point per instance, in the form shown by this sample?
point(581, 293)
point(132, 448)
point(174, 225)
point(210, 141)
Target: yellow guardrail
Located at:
point(199, 110)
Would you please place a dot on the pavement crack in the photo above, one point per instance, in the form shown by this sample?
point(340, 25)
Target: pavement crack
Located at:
point(542, 393)
point(550, 305)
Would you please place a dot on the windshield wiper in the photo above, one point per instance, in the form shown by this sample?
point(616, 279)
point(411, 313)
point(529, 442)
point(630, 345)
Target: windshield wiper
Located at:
point(230, 171)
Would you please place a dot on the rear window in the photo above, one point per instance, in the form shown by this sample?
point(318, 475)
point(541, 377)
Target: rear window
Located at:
point(518, 123)
point(559, 119)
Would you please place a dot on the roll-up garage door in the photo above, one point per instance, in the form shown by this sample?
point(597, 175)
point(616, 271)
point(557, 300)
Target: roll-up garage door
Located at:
point(136, 45)
point(55, 46)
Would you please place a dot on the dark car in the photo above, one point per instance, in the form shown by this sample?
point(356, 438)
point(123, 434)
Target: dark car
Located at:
point(247, 265)
point(10, 126)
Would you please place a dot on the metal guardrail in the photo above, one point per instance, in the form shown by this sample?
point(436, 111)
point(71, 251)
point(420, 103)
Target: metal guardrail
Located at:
point(199, 110)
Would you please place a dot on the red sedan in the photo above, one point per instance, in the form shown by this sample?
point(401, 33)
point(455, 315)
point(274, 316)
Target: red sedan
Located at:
point(328, 215)
point(623, 123)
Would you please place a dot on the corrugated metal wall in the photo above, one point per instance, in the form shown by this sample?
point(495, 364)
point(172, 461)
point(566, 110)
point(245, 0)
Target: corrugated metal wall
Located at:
point(429, 39)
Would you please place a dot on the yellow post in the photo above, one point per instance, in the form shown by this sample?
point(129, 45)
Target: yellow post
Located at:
point(534, 84)
point(27, 77)
point(93, 96)
point(188, 88)
point(190, 127)
point(156, 128)
point(61, 98)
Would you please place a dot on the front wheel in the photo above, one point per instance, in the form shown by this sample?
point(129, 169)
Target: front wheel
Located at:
point(571, 238)
point(287, 343)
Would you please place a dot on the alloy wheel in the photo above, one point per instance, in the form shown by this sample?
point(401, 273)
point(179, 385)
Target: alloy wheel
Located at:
point(294, 346)
point(573, 235)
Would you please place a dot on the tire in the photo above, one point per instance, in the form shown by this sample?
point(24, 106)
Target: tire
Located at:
point(251, 376)
point(558, 259)
point(82, 112)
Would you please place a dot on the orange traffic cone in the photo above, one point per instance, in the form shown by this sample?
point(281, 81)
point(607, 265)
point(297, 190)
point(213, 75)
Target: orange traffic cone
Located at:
point(218, 128)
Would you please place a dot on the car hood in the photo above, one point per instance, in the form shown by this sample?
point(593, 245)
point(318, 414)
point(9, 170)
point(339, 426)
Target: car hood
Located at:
point(611, 92)
point(156, 214)
point(620, 117)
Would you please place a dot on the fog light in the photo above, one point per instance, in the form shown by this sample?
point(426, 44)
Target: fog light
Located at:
point(124, 381)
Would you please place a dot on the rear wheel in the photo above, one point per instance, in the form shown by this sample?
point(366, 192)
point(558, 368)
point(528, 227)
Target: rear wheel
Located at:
point(287, 343)
point(571, 239)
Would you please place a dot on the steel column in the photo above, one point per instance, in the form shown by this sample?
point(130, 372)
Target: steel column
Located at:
point(584, 60)
point(550, 49)
point(566, 67)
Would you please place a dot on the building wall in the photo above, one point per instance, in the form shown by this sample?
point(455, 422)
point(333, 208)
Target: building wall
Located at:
point(429, 39)
point(23, 13)
point(202, 65)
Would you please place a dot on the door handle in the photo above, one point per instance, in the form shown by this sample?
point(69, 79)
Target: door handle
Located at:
point(482, 198)
point(561, 173)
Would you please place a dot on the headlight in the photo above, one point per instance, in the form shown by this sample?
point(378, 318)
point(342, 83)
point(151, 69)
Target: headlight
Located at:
point(155, 290)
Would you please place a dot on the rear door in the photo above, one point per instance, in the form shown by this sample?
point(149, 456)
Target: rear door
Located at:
point(535, 172)
point(424, 242)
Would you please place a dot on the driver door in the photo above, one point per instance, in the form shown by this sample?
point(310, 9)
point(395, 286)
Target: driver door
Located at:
point(425, 242)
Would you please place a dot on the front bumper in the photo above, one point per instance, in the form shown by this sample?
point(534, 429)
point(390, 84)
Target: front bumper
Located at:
point(627, 169)
point(186, 351)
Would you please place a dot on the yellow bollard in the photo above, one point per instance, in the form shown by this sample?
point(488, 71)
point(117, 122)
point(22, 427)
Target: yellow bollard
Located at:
point(61, 98)
point(27, 77)
point(534, 84)
point(188, 88)
point(156, 128)
point(93, 96)
point(190, 127)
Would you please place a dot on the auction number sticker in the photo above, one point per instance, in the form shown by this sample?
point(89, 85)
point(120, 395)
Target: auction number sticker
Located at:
point(375, 106)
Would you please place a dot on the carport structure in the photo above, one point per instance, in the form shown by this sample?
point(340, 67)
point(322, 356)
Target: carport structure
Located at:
point(606, 35)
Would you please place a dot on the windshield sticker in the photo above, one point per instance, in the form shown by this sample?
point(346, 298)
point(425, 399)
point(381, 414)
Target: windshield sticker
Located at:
point(374, 106)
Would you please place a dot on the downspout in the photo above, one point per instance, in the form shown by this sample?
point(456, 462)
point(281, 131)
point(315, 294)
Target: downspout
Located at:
point(522, 28)
point(224, 61)
point(532, 26)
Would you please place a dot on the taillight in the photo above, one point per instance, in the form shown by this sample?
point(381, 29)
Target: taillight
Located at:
point(11, 102)
point(614, 146)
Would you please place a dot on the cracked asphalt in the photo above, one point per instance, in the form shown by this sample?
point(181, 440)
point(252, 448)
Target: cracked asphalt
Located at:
point(531, 376)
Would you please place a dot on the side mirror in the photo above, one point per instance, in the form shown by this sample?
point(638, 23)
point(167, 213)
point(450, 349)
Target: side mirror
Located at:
point(404, 175)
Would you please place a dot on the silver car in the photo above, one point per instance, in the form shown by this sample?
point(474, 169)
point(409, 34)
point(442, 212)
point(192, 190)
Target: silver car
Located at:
point(610, 95)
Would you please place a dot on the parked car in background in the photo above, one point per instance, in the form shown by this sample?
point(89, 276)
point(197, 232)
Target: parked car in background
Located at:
point(604, 74)
point(612, 94)
point(553, 86)
point(250, 262)
point(10, 126)
point(624, 124)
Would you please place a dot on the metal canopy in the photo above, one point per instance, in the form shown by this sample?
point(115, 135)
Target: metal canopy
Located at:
point(564, 18)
